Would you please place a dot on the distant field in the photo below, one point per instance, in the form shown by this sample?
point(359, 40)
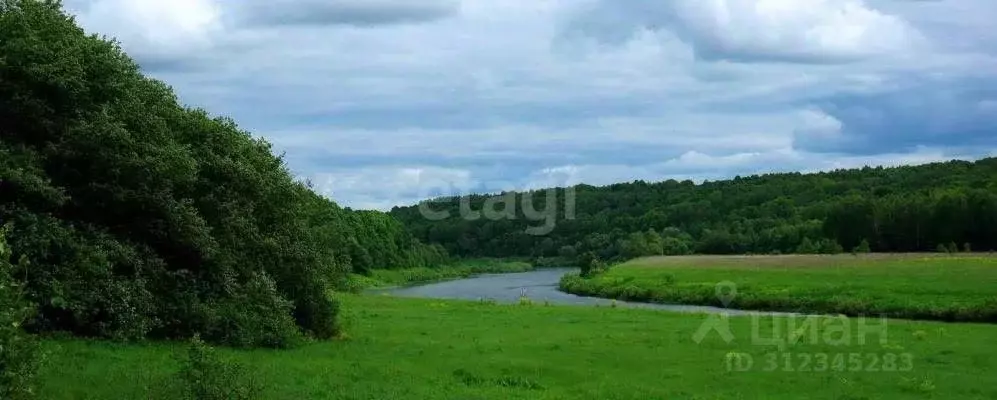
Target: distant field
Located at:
point(426, 349)
point(914, 286)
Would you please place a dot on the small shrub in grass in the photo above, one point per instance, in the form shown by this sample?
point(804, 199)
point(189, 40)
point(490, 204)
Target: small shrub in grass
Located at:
point(204, 375)
point(590, 264)
point(19, 354)
point(862, 248)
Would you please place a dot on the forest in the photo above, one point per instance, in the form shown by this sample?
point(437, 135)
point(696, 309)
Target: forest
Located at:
point(949, 206)
point(129, 215)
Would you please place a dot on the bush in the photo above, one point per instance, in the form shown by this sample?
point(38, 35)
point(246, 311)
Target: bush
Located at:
point(256, 316)
point(204, 375)
point(19, 355)
point(590, 264)
point(568, 252)
point(807, 246)
point(830, 246)
point(863, 247)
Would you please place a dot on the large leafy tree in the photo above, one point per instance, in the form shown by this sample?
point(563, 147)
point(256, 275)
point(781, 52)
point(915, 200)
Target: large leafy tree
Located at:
point(143, 217)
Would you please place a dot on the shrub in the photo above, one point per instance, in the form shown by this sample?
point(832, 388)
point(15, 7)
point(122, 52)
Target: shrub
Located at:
point(204, 375)
point(590, 264)
point(256, 316)
point(568, 252)
point(807, 246)
point(863, 247)
point(19, 355)
point(830, 246)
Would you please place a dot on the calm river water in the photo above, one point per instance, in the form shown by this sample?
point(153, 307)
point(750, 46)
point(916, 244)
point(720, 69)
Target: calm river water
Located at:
point(539, 285)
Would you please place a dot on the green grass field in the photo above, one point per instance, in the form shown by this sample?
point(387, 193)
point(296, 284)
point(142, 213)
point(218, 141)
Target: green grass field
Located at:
point(427, 349)
point(933, 287)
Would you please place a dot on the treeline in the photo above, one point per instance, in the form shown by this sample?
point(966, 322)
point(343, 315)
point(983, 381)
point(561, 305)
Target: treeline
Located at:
point(903, 209)
point(134, 216)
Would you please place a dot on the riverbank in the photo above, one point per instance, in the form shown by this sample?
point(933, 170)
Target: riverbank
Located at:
point(910, 286)
point(398, 348)
point(385, 278)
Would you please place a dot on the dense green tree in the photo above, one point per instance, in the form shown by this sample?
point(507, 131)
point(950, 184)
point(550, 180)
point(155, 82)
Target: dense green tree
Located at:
point(146, 218)
point(900, 209)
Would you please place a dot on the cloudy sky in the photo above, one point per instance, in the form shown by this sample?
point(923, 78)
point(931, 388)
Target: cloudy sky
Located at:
point(383, 102)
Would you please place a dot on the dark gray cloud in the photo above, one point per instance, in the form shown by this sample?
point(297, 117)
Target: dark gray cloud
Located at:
point(831, 31)
point(344, 12)
point(944, 113)
point(518, 91)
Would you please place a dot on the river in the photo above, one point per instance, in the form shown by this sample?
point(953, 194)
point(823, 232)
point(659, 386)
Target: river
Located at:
point(539, 286)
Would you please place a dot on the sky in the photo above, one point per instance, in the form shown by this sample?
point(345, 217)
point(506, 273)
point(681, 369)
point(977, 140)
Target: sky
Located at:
point(385, 102)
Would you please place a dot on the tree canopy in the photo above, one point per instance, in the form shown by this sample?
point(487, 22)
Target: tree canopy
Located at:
point(141, 217)
point(901, 209)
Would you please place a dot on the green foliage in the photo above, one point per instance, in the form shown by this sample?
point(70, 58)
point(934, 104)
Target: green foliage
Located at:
point(807, 247)
point(902, 209)
point(953, 248)
point(863, 247)
point(204, 375)
point(146, 218)
point(671, 246)
point(568, 252)
point(942, 248)
point(896, 286)
point(255, 316)
point(590, 264)
point(19, 353)
point(462, 269)
point(830, 246)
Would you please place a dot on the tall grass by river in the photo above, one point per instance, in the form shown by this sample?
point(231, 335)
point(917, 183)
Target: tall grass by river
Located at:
point(913, 286)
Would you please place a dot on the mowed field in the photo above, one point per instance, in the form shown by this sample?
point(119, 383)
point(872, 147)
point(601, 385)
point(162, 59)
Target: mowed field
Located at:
point(913, 286)
point(427, 349)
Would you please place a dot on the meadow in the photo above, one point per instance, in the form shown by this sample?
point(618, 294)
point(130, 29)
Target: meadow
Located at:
point(913, 286)
point(428, 349)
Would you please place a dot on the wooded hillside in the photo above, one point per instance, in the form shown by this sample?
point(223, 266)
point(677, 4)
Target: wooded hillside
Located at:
point(904, 209)
point(134, 216)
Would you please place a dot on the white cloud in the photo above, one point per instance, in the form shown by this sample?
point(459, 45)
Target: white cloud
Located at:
point(525, 93)
point(383, 187)
point(819, 30)
point(144, 26)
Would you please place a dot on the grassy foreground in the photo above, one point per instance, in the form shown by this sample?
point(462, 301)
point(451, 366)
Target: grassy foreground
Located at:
point(428, 349)
point(913, 286)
